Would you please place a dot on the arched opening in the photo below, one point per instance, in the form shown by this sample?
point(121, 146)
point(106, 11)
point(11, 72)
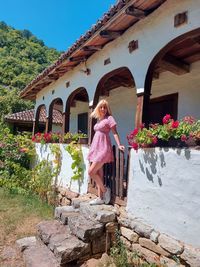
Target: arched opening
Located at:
point(40, 120)
point(55, 121)
point(172, 81)
point(117, 88)
point(76, 112)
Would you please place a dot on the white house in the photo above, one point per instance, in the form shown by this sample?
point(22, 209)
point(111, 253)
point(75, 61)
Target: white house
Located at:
point(144, 58)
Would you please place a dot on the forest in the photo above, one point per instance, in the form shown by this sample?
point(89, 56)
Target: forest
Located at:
point(22, 57)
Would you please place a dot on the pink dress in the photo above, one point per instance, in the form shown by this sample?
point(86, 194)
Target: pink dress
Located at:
point(101, 147)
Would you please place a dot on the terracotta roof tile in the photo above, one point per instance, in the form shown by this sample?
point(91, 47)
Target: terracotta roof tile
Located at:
point(28, 116)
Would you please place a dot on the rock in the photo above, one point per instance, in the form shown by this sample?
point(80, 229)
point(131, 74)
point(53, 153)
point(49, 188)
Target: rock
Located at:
point(126, 242)
point(70, 195)
point(46, 229)
point(59, 210)
point(191, 255)
point(99, 245)
point(147, 243)
point(129, 234)
point(124, 221)
point(149, 256)
point(105, 216)
point(169, 262)
point(141, 228)
point(26, 242)
point(65, 202)
point(84, 229)
point(170, 244)
point(70, 249)
point(39, 256)
point(84, 198)
point(154, 236)
point(65, 216)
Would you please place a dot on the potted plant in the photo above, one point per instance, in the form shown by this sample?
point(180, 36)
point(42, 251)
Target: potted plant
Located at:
point(67, 138)
point(82, 138)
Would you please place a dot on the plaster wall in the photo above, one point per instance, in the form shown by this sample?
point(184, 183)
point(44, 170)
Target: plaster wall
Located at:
point(147, 31)
point(64, 178)
point(164, 190)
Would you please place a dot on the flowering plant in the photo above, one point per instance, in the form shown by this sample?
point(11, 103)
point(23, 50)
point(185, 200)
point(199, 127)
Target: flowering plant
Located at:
point(42, 138)
point(182, 130)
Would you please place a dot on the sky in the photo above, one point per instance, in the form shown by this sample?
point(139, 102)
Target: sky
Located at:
point(59, 23)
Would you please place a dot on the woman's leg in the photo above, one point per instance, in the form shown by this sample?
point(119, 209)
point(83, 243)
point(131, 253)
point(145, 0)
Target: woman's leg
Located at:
point(95, 173)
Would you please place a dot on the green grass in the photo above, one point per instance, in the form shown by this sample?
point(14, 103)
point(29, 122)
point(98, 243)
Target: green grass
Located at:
point(19, 215)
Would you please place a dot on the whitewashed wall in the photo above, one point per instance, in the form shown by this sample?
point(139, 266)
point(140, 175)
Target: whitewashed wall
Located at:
point(64, 178)
point(164, 190)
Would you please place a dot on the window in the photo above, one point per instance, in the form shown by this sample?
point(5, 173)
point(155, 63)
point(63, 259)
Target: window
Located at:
point(83, 123)
point(161, 106)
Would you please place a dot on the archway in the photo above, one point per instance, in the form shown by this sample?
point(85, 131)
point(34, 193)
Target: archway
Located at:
point(76, 112)
point(40, 120)
point(172, 83)
point(55, 121)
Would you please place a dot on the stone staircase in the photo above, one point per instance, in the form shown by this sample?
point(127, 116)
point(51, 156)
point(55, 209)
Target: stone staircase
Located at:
point(77, 234)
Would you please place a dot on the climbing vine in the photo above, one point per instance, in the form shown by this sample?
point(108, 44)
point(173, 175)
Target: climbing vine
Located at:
point(75, 152)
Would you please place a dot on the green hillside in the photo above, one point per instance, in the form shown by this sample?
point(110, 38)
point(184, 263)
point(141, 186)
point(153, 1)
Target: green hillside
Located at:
point(22, 57)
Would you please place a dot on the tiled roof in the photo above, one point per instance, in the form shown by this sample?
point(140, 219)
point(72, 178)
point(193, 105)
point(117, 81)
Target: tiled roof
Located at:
point(28, 116)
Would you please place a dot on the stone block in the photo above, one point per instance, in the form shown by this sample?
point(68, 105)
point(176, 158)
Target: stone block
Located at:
point(65, 216)
point(86, 230)
point(191, 256)
point(129, 234)
point(147, 243)
point(154, 236)
point(26, 242)
point(148, 255)
point(70, 249)
point(65, 202)
point(141, 228)
point(124, 221)
point(39, 256)
point(169, 262)
point(126, 242)
point(99, 245)
point(46, 229)
point(70, 195)
point(170, 244)
point(105, 216)
point(59, 210)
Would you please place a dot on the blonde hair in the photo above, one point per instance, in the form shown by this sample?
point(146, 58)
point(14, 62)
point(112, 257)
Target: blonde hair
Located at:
point(96, 112)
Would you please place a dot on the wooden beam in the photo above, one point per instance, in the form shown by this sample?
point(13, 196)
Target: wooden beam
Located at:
point(91, 48)
point(135, 12)
point(175, 65)
point(139, 110)
point(110, 34)
point(75, 59)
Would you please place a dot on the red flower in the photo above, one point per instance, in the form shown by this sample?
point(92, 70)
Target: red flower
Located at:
point(166, 118)
point(135, 146)
point(134, 132)
point(175, 124)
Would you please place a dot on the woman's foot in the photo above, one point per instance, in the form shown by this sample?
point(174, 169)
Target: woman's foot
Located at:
point(107, 196)
point(97, 201)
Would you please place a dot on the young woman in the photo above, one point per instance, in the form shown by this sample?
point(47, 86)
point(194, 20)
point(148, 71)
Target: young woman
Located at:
point(101, 149)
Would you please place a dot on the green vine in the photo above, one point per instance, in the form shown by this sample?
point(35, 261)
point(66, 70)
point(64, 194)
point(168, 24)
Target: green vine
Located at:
point(77, 165)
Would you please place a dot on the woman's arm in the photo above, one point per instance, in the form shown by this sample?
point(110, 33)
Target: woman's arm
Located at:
point(117, 139)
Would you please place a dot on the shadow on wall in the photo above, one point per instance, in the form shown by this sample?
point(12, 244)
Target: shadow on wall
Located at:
point(153, 161)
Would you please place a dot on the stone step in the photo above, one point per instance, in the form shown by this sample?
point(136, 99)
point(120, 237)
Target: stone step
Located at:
point(100, 213)
point(35, 253)
point(59, 239)
point(64, 212)
point(86, 230)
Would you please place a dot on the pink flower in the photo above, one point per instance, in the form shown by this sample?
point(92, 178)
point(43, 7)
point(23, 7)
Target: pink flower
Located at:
point(141, 126)
point(183, 137)
point(154, 140)
point(166, 118)
point(175, 124)
point(189, 119)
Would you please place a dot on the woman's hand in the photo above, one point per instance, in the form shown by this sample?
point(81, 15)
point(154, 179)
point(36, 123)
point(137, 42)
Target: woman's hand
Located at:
point(121, 147)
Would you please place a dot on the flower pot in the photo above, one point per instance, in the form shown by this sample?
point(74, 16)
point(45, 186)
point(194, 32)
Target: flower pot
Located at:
point(67, 141)
point(83, 140)
point(177, 143)
point(162, 143)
